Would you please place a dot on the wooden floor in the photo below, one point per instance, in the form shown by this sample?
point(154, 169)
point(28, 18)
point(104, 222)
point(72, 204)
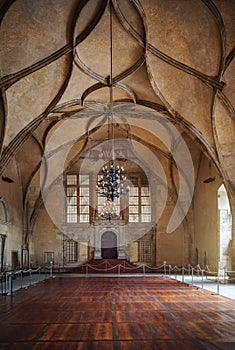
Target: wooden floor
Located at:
point(119, 313)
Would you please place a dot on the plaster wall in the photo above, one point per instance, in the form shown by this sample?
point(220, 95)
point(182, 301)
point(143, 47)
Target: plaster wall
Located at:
point(12, 195)
point(46, 239)
point(169, 247)
point(206, 220)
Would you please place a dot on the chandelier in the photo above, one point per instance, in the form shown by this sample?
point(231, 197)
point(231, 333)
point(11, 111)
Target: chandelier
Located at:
point(108, 211)
point(111, 184)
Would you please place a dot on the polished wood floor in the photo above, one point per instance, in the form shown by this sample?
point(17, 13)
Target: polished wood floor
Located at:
point(116, 313)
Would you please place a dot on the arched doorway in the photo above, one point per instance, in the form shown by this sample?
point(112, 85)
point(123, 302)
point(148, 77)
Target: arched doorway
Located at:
point(109, 245)
point(225, 229)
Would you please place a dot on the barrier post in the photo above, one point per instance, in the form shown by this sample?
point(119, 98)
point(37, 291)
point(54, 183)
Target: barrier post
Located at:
point(188, 269)
point(21, 279)
point(202, 279)
point(164, 264)
point(30, 277)
point(50, 268)
point(183, 274)
point(192, 275)
point(6, 282)
point(175, 272)
point(144, 269)
point(10, 284)
point(4, 276)
point(218, 283)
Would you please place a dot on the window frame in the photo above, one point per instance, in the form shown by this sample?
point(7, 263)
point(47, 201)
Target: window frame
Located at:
point(78, 207)
point(140, 201)
point(71, 251)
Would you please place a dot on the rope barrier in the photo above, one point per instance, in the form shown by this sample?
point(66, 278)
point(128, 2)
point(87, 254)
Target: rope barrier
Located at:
point(9, 279)
point(204, 273)
point(6, 277)
point(123, 266)
point(127, 266)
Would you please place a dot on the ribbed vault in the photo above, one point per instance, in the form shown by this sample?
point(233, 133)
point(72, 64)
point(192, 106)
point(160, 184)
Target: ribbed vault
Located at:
point(175, 58)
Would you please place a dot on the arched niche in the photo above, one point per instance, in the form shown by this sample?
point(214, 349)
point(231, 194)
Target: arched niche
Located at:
point(109, 245)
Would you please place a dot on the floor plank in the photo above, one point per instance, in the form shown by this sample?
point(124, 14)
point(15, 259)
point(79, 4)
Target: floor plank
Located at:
point(115, 313)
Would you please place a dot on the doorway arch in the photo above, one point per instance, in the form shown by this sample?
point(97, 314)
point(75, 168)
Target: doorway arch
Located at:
point(225, 229)
point(109, 245)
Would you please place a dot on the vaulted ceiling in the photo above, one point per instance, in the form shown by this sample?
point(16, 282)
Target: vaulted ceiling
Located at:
point(170, 60)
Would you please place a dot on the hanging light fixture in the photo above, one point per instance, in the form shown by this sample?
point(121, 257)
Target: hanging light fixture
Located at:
point(108, 211)
point(111, 183)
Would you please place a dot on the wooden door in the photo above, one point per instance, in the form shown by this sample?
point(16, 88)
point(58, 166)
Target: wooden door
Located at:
point(109, 245)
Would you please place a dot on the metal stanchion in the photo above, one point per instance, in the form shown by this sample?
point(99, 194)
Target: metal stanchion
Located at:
point(183, 274)
point(198, 269)
point(202, 279)
point(218, 283)
point(10, 285)
point(30, 277)
point(175, 272)
point(192, 275)
point(164, 263)
point(188, 269)
point(6, 282)
point(21, 279)
point(50, 268)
